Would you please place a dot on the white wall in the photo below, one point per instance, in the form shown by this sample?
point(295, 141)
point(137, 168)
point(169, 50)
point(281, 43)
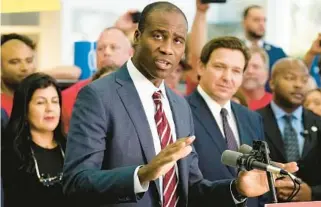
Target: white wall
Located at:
point(47, 36)
point(49, 46)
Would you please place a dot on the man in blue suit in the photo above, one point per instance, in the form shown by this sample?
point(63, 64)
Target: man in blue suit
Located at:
point(254, 24)
point(116, 154)
point(223, 61)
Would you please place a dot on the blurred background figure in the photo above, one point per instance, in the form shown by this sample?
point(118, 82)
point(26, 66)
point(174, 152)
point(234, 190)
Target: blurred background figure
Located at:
point(33, 145)
point(255, 78)
point(239, 98)
point(254, 25)
point(113, 50)
point(173, 81)
point(312, 101)
point(17, 62)
point(18, 54)
point(4, 120)
point(128, 23)
point(104, 72)
point(312, 59)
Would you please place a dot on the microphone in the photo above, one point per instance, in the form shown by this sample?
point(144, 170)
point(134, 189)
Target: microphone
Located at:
point(246, 149)
point(236, 159)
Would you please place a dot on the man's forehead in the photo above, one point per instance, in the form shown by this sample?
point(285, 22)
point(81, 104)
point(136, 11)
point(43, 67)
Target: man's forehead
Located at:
point(16, 47)
point(14, 43)
point(112, 34)
point(160, 20)
point(293, 70)
point(254, 12)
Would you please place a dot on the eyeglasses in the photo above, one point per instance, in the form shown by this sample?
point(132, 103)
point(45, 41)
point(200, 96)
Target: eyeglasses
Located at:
point(47, 180)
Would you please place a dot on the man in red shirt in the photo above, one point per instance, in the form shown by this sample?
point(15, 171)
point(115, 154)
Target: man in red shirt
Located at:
point(17, 62)
point(255, 78)
point(113, 49)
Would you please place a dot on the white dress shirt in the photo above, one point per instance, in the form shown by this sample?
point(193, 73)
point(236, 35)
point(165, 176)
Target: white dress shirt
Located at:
point(145, 90)
point(215, 109)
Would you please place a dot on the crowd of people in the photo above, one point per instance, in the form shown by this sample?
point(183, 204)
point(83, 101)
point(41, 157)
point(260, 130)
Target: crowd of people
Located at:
point(131, 135)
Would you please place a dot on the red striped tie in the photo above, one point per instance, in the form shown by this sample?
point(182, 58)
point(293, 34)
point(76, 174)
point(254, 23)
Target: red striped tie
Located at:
point(170, 182)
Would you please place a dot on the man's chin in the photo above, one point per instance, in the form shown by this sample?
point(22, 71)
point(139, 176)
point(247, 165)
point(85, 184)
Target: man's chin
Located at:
point(250, 86)
point(256, 35)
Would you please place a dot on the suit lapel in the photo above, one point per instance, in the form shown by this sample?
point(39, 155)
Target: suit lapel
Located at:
point(310, 135)
point(130, 98)
point(205, 117)
point(273, 132)
point(241, 125)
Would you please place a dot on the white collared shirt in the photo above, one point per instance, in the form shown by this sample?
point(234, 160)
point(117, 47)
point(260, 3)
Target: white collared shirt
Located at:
point(215, 109)
point(249, 44)
point(145, 90)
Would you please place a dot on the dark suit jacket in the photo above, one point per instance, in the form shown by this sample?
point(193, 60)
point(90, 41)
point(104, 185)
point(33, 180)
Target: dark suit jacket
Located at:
point(274, 53)
point(210, 143)
point(109, 137)
point(310, 163)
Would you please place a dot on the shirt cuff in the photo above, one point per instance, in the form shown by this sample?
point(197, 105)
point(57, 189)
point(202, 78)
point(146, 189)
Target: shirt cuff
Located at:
point(234, 199)
point(138, 187)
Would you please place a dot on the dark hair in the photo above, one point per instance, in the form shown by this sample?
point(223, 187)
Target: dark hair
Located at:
point(247, 10)
point(224, 42)
point(160, 6)
point(102, 71)
point(17, 132)
point(14, 36)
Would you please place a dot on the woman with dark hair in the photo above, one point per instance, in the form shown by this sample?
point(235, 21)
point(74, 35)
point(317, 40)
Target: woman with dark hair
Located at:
point(33, 145)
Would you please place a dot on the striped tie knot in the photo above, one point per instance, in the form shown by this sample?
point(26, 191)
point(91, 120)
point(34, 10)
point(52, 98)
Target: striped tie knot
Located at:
point(157, 97)
point(224, 112)
point(288, 118)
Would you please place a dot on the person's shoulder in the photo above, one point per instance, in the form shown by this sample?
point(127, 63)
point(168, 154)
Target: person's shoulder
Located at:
point(264, 110)
point(75, 88)
point(268, 46)
point(244, 110)
point(312, 115)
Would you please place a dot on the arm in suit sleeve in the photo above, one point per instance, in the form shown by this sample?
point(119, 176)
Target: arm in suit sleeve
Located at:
point(86, 144)
point(205, 191)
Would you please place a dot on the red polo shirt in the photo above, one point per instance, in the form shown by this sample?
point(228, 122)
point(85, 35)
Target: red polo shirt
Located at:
point(6, 103)
point(262, 102)
point(69, 97)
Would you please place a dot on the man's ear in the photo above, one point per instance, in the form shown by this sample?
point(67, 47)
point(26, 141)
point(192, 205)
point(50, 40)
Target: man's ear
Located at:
point(137, 35)
point(272, 84)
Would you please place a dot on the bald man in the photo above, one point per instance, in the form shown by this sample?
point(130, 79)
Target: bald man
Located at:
point(17, 62)
point(113, 50)
point(292, 132)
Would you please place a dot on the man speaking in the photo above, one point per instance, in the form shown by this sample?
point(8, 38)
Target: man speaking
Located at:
point(130, 138)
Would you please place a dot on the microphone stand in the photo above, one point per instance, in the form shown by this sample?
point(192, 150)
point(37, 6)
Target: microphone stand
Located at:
point(266, 159)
